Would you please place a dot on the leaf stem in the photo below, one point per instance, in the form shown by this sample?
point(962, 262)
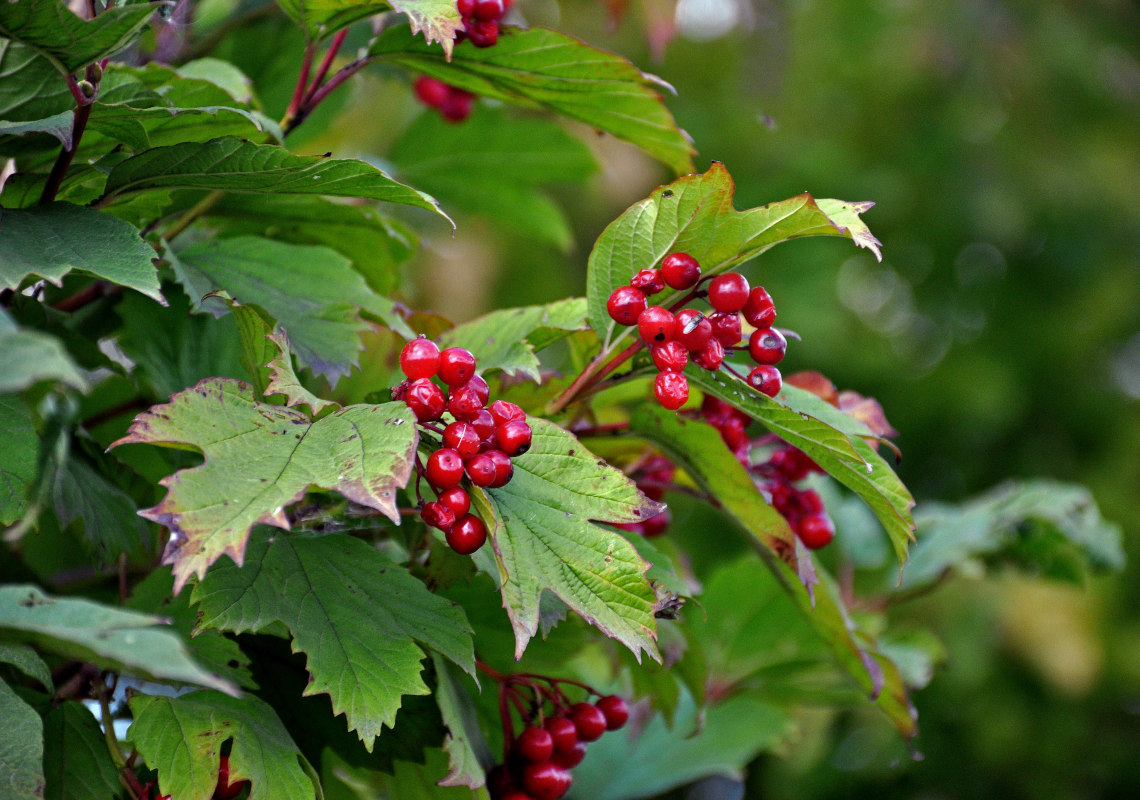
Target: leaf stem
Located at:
point(78, 125)
point(594, 372)
point(326, 63)
point(88, 295)
point(192, 213)
point(302, 86)
point(289, 124)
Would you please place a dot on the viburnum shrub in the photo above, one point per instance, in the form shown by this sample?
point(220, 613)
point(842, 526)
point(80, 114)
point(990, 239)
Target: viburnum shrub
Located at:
point(273, 528)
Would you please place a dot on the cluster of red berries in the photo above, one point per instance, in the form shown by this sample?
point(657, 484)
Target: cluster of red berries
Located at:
point(673, 336)
point(537, 763)
point(453, 104)
point(653, 476)
point(478, 445)
point(802, 508)
point(481, 20)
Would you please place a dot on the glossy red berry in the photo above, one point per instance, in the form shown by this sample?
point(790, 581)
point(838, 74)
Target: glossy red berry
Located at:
point(425, 399)
point(465, 402)
point(671, 389)
point(546, 781)
point(680, 270)
point(514, 437)
point(815, 531)
point(615, 710)
point(462, 437)
point(483, 33)
point(563, 732)
point(500, 782)
point(766, 379)
point(488, 9)
point(760, 311)
point(589, 720)
point(431, 92)
point(420, 358)
point(535, 745)
point(467, 535)
point(728, 292)
point(656, 525)
point(732, 431)
point(648, 281)
point(504, 469)
point(767, 346)
point(457, 107)
point(457, 500)
point(656, 325)
point(465, 7)
point(670, 357)
point(693, 329)
point(504, 411)
point(444, 468)
point(711, 356)
point(437, 515)
point(625, 305)
point(456, 366)
point(224, 790)
point(568, 759)
point(481, 470)
point(480, 387)
point(484, 424)
point(725, 327)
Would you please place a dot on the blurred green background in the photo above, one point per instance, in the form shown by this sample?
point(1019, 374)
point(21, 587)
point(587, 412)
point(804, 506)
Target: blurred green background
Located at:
point(1001, 143)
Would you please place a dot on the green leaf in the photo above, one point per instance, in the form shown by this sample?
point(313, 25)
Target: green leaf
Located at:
point(544, 540)
point(70, 42)
point(52, 240)
point(21, 747)
point(867, 474)
point(30, 87)
point(182, 737)
point(541, 68)
point(697, 448)
point(284, 381)
point(254, 327)
point(109, 515)
point(20, 453)
point(27, 661)
point(58, 125)
point(491, 166)
point(376, 244)
point(123, 641)
point(312, 292)
point(28, 356)
point(1040, 525)
point(77, 764)
point(261, 458)
point(469, 757)
point(503, 339)
point(356, 615)
point(236, 165)
point(695, 215)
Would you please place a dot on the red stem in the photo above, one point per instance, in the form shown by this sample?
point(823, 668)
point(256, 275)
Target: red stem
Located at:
point(326, 63)
point(590, 377)
point(302, 85)
point(315, 99)
point(78, 125)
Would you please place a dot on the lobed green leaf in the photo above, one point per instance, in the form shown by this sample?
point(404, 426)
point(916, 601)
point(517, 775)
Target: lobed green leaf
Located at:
point(77, 763)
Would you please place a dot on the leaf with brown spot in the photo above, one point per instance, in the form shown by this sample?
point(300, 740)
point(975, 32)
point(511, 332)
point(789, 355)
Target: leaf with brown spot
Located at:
point(259, 460)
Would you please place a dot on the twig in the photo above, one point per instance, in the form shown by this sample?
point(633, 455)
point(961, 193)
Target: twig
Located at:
point(192, 213)
point(78, 125)
point(88, 295)
point(326, 63)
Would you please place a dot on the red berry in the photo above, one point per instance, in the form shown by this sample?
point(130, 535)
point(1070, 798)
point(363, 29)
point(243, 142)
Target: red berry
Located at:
point(431, 92)
point(733, 433)
point(671, 389)
point(648, 281)
point(457, 107)
point(465, 402)
point(515, 795)
point(711, 355)
point(504, 411)
point(725, 327)
point(760, 311)
point(425, 399)
point(514, 437)
point(590, 721)
point(656, 325)
point(670, 357)
point(500, 782)
point(815, 531)
point(504, 469)
point(456, 366)
point(680, 270)
point(625, 305)
point(480, 387)
point(615, 710)
point(481, 469)
point(728, 292)
point(465, 7)
point(484, 424)
point(545, 781)
point(444, 468)
point(457, 500)
point(693, 329)
point(224, 790)
point(767, 346)
point(462, 437)
point(656, 525)
point(420, 358)
point(535, 745)
point(488, 9)
point(563, 732)
point(483, 33)
point(568, 759)
point(467, 535)
point(437, 515)
point(810, 501)
point(766, 379)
